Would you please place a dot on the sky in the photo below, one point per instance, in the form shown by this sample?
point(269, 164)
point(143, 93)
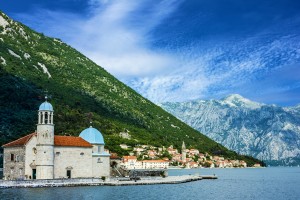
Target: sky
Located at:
point(181, 50)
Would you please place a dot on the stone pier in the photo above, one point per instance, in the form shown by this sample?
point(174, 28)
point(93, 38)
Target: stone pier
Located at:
point(98, 182)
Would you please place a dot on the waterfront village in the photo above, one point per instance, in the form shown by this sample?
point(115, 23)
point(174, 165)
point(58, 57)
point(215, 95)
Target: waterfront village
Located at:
point(147, 156)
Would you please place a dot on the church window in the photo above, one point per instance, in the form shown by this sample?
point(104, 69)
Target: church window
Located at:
point(99, 160)
point(99, 149)
point(57, 153)
point(81, 153)
point(12, 157)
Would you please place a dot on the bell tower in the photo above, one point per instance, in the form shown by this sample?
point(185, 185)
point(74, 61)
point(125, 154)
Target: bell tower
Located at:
point(183, 152)
point(45, 142)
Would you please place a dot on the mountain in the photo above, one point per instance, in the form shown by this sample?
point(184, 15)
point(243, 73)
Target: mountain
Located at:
point(80, 90)
point(267, 132)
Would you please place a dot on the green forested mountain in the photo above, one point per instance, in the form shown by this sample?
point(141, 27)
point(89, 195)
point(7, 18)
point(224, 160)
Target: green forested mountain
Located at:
point(31, 63)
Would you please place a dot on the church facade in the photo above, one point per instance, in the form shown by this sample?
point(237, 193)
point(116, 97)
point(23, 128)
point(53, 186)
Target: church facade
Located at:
point(44, 155)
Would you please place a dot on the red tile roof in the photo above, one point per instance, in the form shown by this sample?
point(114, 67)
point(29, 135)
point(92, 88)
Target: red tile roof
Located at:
point(129, 157)
point(70, 141)
point(126, 158)
point(20, 142)
point(155, 161)
point(114, 156)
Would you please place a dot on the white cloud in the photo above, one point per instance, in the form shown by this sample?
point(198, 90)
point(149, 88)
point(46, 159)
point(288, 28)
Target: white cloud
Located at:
point(115, 37)
point(116, 34)
point(220, 70)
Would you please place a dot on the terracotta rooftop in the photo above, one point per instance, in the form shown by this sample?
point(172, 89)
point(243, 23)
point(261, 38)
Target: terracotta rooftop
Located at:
point(114, 156)
point(20, 142)
point(155, 161)
point(70, 141)
point(126, 158)
point(58, 141)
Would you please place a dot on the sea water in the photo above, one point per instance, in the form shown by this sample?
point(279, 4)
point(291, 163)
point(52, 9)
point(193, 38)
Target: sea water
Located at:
point(277, 183)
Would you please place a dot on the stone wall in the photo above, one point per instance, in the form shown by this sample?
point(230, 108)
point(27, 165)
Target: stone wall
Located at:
point(76, 159)
point(13, 163)
point(30, 159)
point(101, 166)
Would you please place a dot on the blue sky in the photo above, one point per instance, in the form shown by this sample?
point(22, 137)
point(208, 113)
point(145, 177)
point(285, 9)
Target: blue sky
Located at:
point(176, 50)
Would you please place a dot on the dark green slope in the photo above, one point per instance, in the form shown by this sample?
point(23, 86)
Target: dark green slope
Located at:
point(79, 87)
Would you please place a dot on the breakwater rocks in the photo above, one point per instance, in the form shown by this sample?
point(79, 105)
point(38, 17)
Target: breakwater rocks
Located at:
point(98, 182)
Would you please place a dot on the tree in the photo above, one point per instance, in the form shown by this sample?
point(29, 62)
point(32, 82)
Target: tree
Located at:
point(196, 158)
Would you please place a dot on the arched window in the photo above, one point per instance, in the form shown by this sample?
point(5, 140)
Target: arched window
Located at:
point(41, 117)
point(46, 117)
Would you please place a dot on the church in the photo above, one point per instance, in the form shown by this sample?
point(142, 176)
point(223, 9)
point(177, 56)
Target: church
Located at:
point(43, 155)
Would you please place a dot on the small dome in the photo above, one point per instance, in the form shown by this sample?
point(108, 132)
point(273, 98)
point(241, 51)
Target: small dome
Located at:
point(46, 106)
point(92, 135)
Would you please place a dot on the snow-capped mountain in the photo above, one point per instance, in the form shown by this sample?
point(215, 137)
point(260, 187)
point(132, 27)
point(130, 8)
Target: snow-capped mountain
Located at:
point(267, 132)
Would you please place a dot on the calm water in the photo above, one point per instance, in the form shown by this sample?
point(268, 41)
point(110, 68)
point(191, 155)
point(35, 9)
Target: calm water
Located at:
point(245, 184)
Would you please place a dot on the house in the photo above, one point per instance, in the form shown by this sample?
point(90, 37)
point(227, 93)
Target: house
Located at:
point(193, 164)
point(138, 150)
point(131, 162)
point(125, 135)
point(193, 152)
point(256, 165)
point(243, 163)
point(151, 154)
point(124, 146)
point(172, 151)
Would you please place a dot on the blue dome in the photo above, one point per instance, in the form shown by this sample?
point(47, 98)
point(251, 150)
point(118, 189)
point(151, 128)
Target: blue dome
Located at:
point(92, 135)
point(46, 106)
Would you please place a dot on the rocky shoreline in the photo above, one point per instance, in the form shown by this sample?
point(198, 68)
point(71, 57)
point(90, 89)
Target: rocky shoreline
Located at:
point(100, 182)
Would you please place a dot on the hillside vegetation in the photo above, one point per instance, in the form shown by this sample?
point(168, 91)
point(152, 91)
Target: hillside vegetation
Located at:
point(31, 63)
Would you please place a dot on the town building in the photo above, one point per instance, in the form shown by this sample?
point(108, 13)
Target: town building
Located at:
point(124, 146)
point(155, 164)
point(138, 150)
point(43, 155)
point(125, 135)
point(131, 162)
point(256, 165)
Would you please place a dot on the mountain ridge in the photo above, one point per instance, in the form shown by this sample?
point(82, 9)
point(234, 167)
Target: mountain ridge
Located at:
point(267, 132)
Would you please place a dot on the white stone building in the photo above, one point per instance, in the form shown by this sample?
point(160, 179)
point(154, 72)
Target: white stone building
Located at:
point(155, 164)
point(43, 155)
point(131, 162)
